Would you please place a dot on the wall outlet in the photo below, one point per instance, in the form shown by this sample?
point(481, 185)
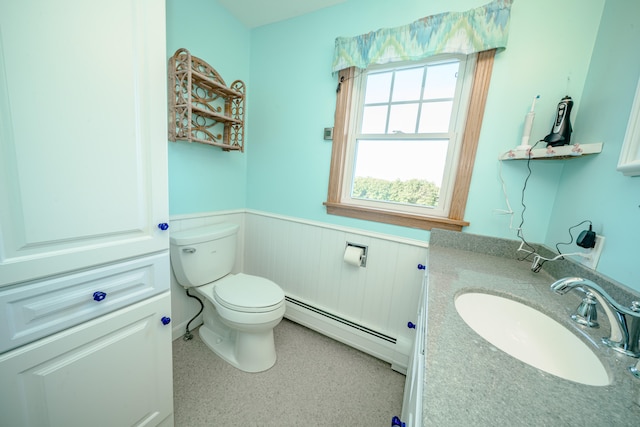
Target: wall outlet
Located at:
point(593, 254)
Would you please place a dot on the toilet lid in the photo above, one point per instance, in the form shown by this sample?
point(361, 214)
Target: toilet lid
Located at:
point(242, 292)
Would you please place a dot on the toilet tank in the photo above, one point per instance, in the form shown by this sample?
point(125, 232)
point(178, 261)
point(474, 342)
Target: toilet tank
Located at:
point(203, 254)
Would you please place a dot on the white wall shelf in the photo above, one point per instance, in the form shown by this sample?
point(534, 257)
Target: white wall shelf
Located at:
point(554, 153)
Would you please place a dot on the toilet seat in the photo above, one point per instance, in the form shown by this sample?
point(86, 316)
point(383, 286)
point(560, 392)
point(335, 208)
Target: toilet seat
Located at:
point(249, 294)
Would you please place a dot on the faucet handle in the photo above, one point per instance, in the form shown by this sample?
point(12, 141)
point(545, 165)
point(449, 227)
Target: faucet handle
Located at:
point(635, 306)
point(587, 313)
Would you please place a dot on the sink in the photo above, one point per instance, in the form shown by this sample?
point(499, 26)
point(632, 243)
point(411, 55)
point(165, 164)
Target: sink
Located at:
point(531, 337)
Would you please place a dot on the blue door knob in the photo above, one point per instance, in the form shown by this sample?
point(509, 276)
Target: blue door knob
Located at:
point(422, 267)
point(99, 296)
point(165, 320)
point(163, 226)
point(411, 325)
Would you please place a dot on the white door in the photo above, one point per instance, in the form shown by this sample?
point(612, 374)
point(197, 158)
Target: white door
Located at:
point(112, 371)
point(83, 134)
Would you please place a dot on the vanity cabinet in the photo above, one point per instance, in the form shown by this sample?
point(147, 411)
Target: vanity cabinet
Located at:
point(111, 371)
point(414, 384)
point(84, 212)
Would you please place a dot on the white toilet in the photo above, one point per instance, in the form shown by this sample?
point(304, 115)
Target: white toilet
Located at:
point(240, 310)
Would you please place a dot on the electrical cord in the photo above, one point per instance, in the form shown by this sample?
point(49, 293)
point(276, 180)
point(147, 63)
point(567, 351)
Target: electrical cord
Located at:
point(538, 261)
point(343, 79)
point(509, 210)
point(524, 208)
point(188, 335)
point(571, 228)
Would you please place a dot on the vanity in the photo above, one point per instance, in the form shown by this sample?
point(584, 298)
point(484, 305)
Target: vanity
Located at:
point(468, 381)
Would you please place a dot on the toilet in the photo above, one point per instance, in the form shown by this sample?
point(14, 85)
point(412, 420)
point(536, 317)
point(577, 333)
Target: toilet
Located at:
point(240, 310)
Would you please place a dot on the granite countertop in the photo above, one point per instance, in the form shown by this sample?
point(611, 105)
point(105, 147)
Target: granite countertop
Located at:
point(468, 381)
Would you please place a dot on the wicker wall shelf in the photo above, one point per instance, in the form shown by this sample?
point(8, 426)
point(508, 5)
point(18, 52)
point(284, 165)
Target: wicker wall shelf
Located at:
point(201, 106)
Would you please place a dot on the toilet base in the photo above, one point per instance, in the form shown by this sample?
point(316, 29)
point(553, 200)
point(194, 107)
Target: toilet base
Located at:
point(249, 352)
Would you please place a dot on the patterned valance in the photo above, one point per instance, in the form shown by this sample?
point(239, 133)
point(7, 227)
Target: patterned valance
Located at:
point(483, 28)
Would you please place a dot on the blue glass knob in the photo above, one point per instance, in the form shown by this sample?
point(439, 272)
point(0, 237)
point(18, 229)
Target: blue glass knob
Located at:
point(163, 226)
point(422, 267)
point(395, 421)
point(411, 325)
point(99, 296)
point(165, 320)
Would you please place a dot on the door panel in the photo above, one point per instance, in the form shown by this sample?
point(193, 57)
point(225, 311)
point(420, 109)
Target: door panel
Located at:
point(82, 134)
point(112, 371)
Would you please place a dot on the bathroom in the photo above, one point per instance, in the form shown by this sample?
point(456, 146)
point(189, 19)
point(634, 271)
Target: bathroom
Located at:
point(278, 185)
point(287, 112)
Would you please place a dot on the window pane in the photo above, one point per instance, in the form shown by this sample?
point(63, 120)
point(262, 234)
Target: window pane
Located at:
point(441, 81)
point(406, 172)
point(378, 88)
point(435, 117)
point(374, 119)
point(407, 85)
point(403, 118)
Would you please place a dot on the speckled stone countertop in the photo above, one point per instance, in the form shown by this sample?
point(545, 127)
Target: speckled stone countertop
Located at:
point(470, 382)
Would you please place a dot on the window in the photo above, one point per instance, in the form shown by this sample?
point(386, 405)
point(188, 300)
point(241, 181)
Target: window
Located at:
point(405, 138)
point(403, 148)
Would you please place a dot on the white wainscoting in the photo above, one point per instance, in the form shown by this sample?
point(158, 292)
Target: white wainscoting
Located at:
point(306, 259)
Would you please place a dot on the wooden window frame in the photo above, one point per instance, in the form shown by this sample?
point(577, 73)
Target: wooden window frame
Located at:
point(455, 220)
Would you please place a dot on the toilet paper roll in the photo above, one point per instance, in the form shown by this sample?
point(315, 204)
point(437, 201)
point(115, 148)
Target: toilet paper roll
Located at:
point(353, 255)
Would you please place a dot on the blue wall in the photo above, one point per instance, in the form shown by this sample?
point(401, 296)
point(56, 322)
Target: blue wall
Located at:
point(592, 188)
point(203, 178)
point(291, 98)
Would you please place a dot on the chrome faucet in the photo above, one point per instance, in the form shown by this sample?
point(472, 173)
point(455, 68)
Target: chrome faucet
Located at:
point(625, 322)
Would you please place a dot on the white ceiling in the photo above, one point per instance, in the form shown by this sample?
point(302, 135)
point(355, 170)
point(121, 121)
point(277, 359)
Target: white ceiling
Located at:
point(254, 13)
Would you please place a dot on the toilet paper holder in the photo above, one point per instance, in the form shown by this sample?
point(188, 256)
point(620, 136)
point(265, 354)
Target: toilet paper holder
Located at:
point(365, 248)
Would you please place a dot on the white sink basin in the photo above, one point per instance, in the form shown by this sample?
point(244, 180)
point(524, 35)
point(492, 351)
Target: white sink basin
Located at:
point(532, 337)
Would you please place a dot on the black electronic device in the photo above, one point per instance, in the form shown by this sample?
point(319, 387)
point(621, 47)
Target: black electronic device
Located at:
point(587, 239)
point(561, 130)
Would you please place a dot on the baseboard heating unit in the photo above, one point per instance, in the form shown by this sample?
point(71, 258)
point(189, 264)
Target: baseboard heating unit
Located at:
point(375, 343)
point(341, 320)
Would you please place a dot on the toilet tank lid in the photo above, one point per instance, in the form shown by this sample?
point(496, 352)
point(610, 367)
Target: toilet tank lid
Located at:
point(203, 234)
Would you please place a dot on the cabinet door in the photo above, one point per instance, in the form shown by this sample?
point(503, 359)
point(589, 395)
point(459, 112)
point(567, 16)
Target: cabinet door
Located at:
point(414, 384)
point(83, 134)
point(112, 371)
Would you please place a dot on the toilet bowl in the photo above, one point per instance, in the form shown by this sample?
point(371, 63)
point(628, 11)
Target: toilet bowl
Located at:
point(242, 332)
point(240, 310)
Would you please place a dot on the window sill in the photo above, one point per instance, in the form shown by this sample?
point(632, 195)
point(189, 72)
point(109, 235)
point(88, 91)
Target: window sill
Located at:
point(396, 218)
